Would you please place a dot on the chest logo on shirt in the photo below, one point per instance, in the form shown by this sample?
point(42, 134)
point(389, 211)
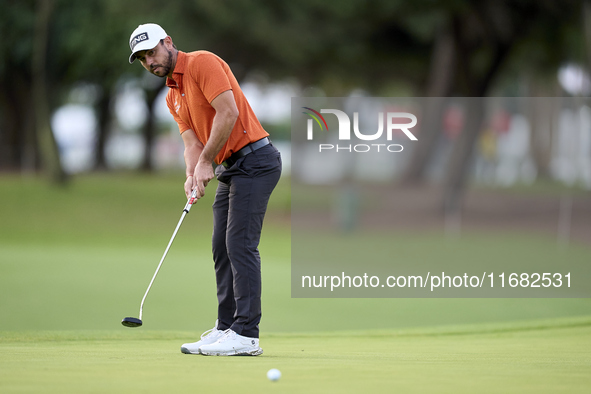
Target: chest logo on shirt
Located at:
point(177, 106)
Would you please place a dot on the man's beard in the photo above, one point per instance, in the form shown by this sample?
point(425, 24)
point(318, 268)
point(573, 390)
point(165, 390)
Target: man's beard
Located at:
point(165, 67)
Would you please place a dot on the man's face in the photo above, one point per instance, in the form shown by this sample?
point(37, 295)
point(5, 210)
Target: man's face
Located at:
point(157, 60)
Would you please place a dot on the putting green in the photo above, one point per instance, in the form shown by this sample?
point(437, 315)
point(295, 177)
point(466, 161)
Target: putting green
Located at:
point(541, 357)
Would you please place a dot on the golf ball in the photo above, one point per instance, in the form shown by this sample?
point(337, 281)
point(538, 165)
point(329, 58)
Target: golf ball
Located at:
point(273, 374)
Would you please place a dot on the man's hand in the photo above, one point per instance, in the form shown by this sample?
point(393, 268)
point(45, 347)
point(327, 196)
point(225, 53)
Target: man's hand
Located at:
point(201, 177)
point(189, 186)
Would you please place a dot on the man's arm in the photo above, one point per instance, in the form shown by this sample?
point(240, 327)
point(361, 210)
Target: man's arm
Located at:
point(193, 149)
point(226, 113)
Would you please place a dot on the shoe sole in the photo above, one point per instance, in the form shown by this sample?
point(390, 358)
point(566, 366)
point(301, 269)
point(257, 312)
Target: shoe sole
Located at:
point(187, 351)
point(255, 352)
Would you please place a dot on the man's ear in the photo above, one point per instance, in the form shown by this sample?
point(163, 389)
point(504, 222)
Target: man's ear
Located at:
point(168, 43)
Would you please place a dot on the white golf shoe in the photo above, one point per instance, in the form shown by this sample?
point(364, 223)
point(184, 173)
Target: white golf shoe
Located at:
point(232, 344)
point(208, 337)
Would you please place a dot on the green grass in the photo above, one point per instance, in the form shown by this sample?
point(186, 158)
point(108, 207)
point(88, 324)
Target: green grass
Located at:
point(75, 261)
point(514, 359)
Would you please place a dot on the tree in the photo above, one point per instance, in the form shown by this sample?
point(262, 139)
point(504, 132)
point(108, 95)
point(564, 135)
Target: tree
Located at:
point(18, 147)
point(93, 36)
point(474, 43)
point(45, 137)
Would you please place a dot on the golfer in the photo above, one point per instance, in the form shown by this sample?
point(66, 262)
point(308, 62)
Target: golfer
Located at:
point(218, 126)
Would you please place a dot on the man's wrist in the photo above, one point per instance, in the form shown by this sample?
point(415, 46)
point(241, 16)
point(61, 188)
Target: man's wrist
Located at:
point(204, 162)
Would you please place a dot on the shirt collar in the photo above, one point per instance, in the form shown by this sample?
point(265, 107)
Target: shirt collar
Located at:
point(179, 68)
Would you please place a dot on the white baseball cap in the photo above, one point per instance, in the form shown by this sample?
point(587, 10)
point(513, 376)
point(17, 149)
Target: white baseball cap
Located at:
point(145, 37)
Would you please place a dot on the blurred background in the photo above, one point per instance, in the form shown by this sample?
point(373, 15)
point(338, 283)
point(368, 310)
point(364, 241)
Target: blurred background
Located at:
point(71, 104)
point(83, 133)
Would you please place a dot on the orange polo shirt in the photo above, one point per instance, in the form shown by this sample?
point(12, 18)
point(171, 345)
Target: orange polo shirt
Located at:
point(198, 78)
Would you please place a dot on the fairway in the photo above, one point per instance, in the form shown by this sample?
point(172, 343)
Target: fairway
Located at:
point(78, 260)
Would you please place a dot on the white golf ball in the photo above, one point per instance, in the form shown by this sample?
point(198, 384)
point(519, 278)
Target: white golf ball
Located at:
point(273, 374)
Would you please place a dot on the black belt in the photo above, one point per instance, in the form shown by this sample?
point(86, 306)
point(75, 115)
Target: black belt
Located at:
point(230, 161)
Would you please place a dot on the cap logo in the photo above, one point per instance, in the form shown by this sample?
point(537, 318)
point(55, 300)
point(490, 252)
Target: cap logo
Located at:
point(137, 39)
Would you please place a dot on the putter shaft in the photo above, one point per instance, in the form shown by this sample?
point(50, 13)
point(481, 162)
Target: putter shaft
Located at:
point(185, 212)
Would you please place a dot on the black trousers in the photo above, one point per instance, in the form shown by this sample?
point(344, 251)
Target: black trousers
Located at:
point(238, 212)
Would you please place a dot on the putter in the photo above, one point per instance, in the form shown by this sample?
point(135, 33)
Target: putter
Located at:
point(132, 321)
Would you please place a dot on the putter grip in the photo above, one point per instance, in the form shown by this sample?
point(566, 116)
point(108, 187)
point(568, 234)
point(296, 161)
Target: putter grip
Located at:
point(191, 201)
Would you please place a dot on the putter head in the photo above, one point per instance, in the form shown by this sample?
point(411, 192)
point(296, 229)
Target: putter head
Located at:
point(131, 322)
